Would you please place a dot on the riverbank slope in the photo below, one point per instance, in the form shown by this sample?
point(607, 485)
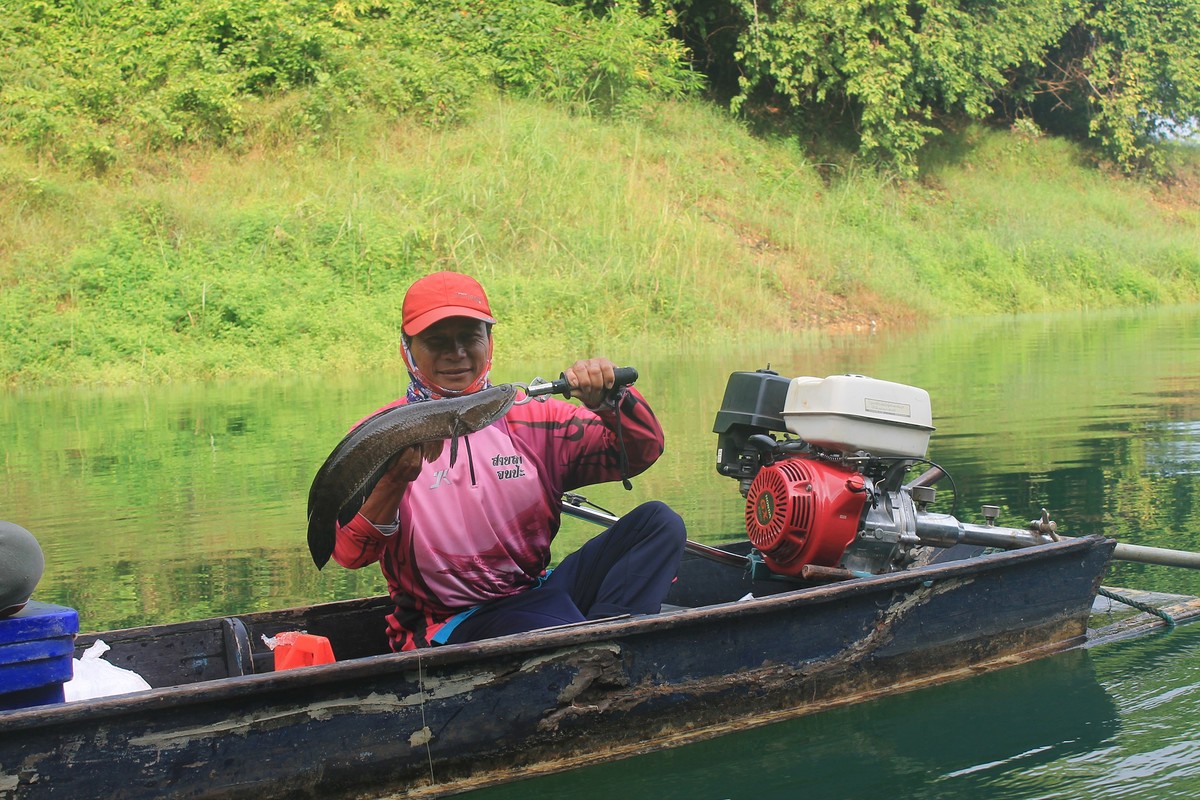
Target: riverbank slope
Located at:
point(284, 255)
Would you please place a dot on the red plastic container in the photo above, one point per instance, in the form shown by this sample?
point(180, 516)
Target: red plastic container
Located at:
point(296, 649)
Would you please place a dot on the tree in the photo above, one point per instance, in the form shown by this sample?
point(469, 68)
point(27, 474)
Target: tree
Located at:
point(1127, 75)
point(1118, 73)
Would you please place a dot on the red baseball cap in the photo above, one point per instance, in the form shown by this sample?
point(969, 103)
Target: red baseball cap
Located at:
point(440, 295)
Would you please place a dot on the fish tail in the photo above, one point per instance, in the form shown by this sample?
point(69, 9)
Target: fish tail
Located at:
point(320, 539)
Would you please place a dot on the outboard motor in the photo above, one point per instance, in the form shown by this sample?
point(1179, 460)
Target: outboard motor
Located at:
point(828, 495)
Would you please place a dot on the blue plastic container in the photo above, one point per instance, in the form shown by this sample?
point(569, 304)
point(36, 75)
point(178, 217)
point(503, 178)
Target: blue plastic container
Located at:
point(36, 649)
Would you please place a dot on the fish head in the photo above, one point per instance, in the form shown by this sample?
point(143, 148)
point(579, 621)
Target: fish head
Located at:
point(487, 406)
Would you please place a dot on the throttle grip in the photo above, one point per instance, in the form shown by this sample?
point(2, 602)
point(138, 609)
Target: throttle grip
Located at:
point(622, 376)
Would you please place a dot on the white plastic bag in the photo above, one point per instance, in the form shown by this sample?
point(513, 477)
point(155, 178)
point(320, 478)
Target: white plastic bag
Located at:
point(95, 677)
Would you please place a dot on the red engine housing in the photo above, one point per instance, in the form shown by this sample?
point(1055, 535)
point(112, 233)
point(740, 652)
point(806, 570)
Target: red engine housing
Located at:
point(801, 511)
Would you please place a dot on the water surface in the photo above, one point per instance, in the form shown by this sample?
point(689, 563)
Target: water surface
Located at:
point(166, 503)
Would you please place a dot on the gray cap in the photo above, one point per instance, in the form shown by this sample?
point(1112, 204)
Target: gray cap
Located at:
point(21, 565)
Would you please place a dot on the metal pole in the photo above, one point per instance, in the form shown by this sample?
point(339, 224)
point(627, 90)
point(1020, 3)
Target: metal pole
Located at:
point(606, 519)
point(1157, 555)
point(942, 530)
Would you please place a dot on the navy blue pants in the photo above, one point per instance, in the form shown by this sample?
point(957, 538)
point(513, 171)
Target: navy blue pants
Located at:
point(628, 569)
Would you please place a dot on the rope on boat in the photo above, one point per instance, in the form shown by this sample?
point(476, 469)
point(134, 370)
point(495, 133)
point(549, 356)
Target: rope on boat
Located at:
point(1129, 601)
point(425, 732)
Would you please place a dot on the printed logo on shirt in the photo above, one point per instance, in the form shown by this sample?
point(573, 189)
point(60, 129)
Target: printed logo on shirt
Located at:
point(508, 467)
point(439, 477)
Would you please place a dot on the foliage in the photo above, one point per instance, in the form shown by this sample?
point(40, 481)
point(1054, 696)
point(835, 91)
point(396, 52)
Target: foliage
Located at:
point(897, 67)
point(1128, 72)
point(87, 81)
point(90, 82)
point(899, 73)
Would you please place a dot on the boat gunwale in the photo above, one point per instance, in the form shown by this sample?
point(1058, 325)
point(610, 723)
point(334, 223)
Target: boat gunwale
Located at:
point(529, 644)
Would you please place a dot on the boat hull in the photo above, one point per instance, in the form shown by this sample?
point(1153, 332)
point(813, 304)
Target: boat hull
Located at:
point(441, 720)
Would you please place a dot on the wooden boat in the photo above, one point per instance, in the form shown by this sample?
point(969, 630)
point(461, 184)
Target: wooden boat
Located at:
point(727, 652)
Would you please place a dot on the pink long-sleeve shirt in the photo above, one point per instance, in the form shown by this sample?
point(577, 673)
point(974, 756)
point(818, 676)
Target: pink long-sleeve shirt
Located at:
point(482, 529)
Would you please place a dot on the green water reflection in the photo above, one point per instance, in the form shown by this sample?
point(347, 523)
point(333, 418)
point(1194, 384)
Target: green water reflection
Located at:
point(167, 503)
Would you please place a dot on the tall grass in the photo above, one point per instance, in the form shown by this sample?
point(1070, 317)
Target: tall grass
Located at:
point(292, 255)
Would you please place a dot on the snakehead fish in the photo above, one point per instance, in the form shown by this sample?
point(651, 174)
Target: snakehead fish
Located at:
point(358, 462)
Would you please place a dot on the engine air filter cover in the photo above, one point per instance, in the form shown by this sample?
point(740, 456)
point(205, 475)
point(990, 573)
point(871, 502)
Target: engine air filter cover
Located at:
point(848, 413)
point(801, 511)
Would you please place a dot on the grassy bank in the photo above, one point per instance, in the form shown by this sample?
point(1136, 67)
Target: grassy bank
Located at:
point(288, 256)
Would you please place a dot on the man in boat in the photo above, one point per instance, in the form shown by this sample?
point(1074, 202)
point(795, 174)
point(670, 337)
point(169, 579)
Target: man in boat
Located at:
point(465, 548)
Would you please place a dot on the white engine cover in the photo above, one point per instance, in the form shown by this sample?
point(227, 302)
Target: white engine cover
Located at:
point(848, 413)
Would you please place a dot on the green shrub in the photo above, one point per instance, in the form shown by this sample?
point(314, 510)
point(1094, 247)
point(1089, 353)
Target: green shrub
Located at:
point(80, 82)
